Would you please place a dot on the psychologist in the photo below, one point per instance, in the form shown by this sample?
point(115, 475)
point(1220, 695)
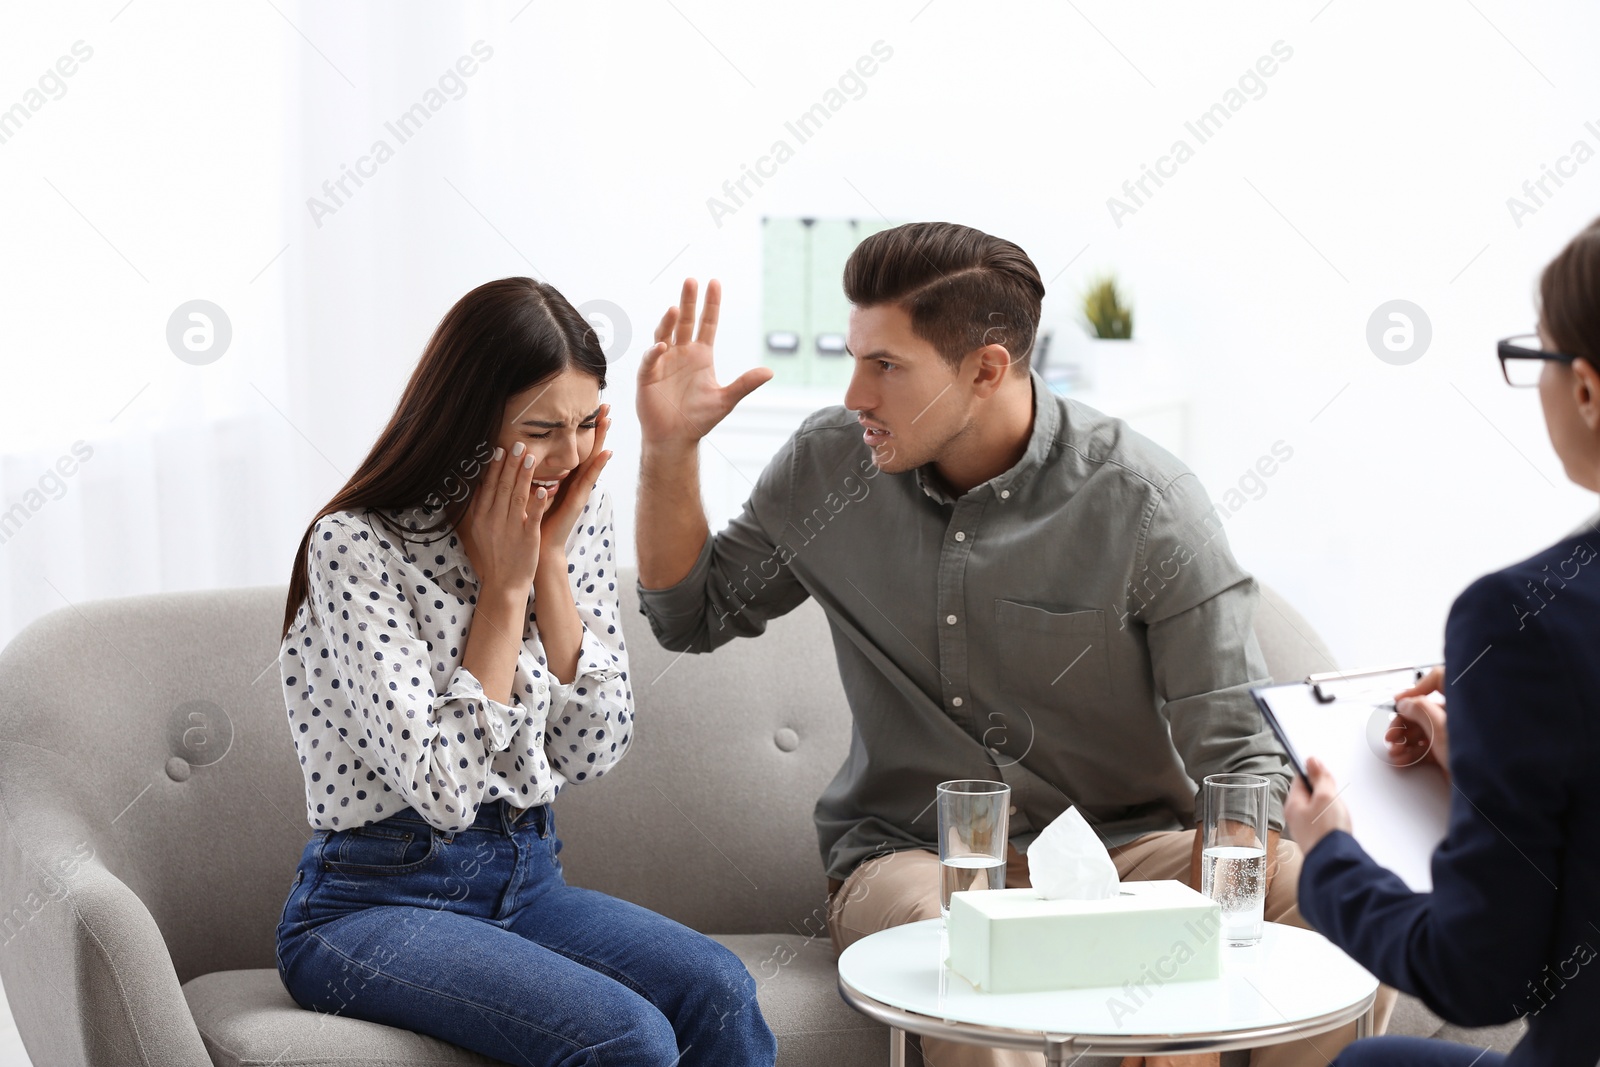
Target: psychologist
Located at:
point(1512, 926)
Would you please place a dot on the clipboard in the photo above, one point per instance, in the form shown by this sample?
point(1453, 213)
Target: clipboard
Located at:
point(1399, 814)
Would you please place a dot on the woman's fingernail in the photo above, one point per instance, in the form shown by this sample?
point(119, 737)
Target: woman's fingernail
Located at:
point(541, 493)
point(527, 461)
point(516, 449)
point(498, 452)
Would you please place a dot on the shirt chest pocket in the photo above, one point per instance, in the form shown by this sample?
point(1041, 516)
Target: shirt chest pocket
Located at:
point(1052, 661)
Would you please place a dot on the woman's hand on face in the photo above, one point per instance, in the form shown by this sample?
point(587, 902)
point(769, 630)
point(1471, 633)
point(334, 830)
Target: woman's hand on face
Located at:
point(502, 537)
point(574, 491)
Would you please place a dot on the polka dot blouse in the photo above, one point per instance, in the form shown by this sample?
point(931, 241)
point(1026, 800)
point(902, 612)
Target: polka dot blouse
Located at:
point(383, 713)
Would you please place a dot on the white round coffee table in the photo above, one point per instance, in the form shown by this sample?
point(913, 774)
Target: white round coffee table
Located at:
point(1294, 984)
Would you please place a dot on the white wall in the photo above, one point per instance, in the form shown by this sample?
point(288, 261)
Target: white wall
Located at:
point(150, 176)
point(1375, 166)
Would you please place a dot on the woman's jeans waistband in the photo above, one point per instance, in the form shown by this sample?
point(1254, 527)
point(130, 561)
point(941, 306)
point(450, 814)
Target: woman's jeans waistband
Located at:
point(494, 816)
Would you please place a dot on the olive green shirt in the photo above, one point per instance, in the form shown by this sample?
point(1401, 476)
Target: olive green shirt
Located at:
point(1075, 627)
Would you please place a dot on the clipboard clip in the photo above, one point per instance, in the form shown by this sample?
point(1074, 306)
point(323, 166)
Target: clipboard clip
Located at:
point(1329, 678)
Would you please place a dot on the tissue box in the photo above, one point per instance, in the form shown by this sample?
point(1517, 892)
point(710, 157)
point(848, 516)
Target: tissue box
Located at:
point(1015, 941)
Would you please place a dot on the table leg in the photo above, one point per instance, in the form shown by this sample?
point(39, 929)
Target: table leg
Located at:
point(897, 1047)
point(1368, 1020)
point(1055, 1050)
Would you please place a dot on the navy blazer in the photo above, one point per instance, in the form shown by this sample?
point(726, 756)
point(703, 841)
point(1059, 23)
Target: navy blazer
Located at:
point(1512, 926)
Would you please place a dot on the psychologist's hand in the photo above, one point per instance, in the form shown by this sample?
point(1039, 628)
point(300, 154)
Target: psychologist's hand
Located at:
point(1314, 813)
point(679, 398)
point(1419, 731)
point(1432, 682)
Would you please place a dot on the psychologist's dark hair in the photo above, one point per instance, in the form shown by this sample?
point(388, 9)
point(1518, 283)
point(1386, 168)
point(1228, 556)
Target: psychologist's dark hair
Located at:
point(1569, 296)
point(962, 288)
point(500, 339)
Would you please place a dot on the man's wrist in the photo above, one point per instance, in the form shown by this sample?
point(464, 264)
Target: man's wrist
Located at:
point(668, 454)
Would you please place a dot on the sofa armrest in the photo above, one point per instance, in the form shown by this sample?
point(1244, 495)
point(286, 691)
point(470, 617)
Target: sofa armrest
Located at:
point(86, 970)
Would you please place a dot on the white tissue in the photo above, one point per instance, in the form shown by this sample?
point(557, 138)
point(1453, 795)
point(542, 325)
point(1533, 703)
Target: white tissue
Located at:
point(1067, 860)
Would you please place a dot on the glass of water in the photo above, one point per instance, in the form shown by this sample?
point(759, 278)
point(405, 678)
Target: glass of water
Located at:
point(972, 837)
point(1233, 853)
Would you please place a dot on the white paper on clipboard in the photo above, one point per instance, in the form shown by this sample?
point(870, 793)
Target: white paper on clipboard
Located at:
point(1399, 814)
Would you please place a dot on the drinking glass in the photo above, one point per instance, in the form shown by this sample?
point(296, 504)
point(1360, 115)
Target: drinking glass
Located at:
point(1233, 856)
point(972, 837)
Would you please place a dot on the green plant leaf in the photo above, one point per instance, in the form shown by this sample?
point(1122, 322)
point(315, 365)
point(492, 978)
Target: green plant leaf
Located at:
point(1105, 312)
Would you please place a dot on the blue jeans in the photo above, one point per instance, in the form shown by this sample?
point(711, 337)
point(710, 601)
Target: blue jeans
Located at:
point(475, 938)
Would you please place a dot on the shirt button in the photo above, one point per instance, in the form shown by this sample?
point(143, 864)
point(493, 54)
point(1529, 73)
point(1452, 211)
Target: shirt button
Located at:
point(956, 701)
point(1005, 494)
point(951, 619)
point(1013, 809)
point(960, 536)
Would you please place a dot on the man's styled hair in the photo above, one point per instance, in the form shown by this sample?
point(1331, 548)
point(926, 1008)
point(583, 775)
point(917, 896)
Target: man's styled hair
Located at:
point(962, 288)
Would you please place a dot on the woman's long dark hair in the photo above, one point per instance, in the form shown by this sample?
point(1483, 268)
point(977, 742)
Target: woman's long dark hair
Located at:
point(500, 339)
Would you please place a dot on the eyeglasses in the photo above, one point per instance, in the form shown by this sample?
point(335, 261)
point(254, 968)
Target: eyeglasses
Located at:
point(1522, 360)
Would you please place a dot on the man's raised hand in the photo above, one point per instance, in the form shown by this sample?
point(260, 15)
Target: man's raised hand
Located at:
point(679, 399)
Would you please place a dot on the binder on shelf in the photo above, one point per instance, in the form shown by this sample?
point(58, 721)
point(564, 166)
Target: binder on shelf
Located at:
point(785, 304)
point(804, 312)
point(832, 241)
point(1399, 813)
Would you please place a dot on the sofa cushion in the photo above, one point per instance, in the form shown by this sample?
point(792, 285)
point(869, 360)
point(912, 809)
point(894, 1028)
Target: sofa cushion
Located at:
point(248, 1019)
point(716, 795)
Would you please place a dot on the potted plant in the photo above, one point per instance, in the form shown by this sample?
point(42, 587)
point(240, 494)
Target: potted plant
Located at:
point(1071, 354)
point(1106, 310)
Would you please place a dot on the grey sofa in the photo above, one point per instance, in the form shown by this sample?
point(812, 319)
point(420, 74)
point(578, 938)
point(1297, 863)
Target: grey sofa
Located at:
point(151, 817)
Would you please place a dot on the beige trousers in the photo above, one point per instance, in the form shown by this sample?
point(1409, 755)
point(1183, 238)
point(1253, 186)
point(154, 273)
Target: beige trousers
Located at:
point(903, 887)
